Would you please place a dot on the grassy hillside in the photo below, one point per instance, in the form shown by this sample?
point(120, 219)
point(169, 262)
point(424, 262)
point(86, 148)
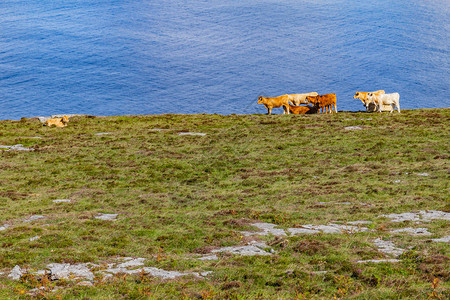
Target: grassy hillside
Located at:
point(178, 197)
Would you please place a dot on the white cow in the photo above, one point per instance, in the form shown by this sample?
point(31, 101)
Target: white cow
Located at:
point(385, 99)
point(298, 99)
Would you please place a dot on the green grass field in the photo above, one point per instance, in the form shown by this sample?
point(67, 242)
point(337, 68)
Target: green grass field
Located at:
point(178, 197)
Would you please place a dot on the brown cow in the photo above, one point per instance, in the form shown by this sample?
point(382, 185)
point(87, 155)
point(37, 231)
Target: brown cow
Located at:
point(271, 102)
point(297, 110)
point(324, 101)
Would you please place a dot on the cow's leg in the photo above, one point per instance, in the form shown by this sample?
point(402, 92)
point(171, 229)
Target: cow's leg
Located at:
point(335, 107)
point(269, 110)
point(398, 107)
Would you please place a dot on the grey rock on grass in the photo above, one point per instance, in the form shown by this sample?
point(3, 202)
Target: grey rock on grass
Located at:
point(421, 216)
point(388, 247)
point(106, 217)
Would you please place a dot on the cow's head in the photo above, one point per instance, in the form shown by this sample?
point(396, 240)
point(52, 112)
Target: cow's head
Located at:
point(260, 100)
point(356, 95)
point(369, 99)
point(311, 99)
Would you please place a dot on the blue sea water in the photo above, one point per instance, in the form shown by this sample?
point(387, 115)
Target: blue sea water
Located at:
point(157, 56)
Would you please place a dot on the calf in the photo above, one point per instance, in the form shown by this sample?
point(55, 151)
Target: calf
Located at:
point(297, 110)
point(324, 101)
point(271, 102)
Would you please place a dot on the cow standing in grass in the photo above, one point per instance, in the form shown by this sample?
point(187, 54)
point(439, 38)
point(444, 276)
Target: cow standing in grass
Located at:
point(386, 99)
point(271, 102)
point(324, 101)
point(363, 96)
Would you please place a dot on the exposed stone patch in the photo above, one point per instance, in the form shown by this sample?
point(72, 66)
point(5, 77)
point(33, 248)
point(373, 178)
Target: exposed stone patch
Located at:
point(102, 133)
point(62, 201)
point(423, 174)
point(4, 227)
point(16, 273)
point(249, 250)
point(387, 247)
point(353, 128)
point(377, 261)
point(18, 147)
point(302, 231)
point(267, 229)
point(445, 239)
point(209, 257)
point(359, 222)
point(34, 218)
point(421, 216)
point(34, 238)
point(152, 271)
point(413, 231)
point(131, 262)
point(158, 129)
point(106, 217)
point(84, 271)
point(192, 133)
point(68, 271)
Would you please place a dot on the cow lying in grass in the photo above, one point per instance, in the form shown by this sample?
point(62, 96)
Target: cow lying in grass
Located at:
point(271, 102)
point(385, 99)
point(363, 96)
point(297, 110)
point(58, 122)
point(324, 101)
point(298, 99)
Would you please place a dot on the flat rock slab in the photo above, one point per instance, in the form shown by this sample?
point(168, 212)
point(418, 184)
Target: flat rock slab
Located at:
point(421, 216)
point(18, 147)
point(387, 247)
point(4, 227)
point(267, 229)
point(131, 262)
point(249, 250)
point(377, 261)
point(102, 133)
point(423, 174)
point(151, 271)
point(445, 239)
point(413, 231)
point(68, 271)
point(34, 218)
point(192, 133)
point(62, 201)
point(359, 222)
point(84, 271)
point(34, 238)
point(353, 128)
point(332, 228)
point(107, 217)
point(209, 257)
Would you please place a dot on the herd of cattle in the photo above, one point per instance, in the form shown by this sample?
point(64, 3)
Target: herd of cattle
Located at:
point(291, 103)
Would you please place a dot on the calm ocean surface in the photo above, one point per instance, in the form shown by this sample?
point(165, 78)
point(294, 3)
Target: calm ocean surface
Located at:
point(157, 56)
